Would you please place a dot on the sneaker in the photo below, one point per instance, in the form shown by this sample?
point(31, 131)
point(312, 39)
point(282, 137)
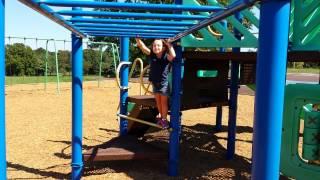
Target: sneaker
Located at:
point(163, 123)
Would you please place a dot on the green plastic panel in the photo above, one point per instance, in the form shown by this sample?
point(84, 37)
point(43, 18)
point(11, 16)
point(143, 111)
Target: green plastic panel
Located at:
point(312, 119)
point(311, 136)
point(304, 32)
point(306, 25)
point(227, 39)
point(130, 107)
point(207, 73)
point(297, 96)
point(310, 152)
point(306, 108)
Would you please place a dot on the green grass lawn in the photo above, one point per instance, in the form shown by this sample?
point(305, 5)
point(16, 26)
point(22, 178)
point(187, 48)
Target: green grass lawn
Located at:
point(10, 80)
point(304, 70)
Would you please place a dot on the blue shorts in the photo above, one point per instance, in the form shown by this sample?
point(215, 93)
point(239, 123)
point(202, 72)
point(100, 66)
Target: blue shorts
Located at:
point(161, 88)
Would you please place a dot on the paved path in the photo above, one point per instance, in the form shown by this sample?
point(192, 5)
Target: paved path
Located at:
point(306, 77)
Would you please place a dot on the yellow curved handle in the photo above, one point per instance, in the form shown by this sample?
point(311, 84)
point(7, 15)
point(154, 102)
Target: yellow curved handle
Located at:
point(146, 89)
point(142, 72)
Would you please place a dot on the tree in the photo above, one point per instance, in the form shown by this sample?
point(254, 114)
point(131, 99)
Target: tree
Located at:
point(20, 60)
point(64, 61)
point(40, 55)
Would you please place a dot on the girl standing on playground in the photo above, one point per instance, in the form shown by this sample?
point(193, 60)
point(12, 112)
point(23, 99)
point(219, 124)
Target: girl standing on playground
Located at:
point(160, 57)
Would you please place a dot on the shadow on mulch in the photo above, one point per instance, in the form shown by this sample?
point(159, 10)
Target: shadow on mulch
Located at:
point(42, 172)
point(201, 157)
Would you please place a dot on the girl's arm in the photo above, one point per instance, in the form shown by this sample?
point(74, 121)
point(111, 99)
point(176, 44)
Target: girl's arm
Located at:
point(171, 51)
point(143, 47)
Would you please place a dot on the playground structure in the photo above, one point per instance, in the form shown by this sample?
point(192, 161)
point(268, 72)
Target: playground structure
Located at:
point(101, 47)
point(298, 107)
point(272, 58)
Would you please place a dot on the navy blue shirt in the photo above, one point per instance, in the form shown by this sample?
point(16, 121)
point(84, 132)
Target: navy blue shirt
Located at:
point(159, 68)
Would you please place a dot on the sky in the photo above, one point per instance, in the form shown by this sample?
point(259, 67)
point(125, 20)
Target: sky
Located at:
point(21, 21)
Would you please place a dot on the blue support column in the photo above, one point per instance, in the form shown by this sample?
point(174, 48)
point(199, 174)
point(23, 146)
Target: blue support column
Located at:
point(77, 76)
point(219, 108)
point(219, 119)
point(3, 162)
point(124, 75)
point(175, 118)
point(175, 122)
point(233, 99)
point(269, 100)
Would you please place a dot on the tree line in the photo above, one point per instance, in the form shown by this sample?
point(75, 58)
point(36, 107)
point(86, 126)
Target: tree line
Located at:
point(21, 60)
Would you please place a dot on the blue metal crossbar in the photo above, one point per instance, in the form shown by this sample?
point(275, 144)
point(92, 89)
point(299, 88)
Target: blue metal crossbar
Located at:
point(134, 34)
point(130, 35)
point(130, 15)
point(128, 30)
point(140, 6)
point(87, 25)
point(135, 22)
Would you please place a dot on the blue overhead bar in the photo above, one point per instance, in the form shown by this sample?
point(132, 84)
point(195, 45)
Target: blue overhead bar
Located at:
point(131, 15)
point(129, 30)
point(137, 6)
point(132, 36)
point(81, 25)
point(136, 22)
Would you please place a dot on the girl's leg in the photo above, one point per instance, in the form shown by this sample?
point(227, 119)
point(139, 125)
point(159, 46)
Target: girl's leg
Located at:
point(158, 102)
point(164, 106)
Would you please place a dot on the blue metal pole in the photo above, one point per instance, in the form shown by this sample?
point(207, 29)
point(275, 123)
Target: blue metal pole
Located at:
point(77, 76)
point(77, 58)
point(233, 99)
point(269, 100)
point(219, 118)
point(219, 108)
point(124, 75)
point(3, 162)
point(175, 120)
